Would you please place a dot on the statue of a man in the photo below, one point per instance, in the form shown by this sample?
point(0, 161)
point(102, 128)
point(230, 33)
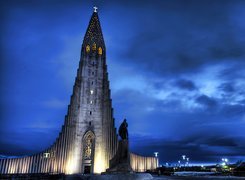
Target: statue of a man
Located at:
point(123, 130)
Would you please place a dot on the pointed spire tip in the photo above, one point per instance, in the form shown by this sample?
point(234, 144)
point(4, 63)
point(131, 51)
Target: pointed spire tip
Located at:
point(95, 9)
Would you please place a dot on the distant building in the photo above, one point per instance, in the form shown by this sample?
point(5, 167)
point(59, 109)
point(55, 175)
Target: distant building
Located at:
point(88, 138)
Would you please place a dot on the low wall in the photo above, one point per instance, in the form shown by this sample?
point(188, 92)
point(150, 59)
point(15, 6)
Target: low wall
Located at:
point(142, 163)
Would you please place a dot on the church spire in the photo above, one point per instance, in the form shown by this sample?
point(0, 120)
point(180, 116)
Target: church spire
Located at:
point(94, 33)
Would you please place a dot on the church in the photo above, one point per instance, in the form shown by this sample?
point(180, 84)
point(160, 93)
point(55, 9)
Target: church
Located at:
point(88, 139)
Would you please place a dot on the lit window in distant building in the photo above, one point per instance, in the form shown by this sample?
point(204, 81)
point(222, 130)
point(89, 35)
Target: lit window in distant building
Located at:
point(91, 92)
point(91, 102)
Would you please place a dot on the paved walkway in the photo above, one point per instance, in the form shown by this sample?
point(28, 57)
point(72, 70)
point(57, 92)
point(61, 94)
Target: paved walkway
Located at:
point(144, 177)
point(198, 178)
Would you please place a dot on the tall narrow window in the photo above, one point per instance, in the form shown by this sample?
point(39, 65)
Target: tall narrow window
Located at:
point(46, 155)
point(88, 145)
point(94, 47)
point(100, 51)
point(87, 48)
point(91, 92)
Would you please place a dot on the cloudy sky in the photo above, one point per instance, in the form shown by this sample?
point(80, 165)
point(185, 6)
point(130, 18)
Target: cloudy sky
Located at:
point(176, 69)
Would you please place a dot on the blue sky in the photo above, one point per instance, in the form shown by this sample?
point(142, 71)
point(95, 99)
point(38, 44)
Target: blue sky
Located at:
point(176, 72)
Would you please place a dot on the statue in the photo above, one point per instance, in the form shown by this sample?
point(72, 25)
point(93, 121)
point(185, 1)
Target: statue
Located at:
point(120, 163)
point(123, 130)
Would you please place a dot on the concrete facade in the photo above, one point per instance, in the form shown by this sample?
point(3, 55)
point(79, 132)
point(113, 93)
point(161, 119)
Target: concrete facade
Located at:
point(88, 138)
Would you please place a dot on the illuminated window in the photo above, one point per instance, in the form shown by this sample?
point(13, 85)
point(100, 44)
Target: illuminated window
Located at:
point(91, 92)
point(46, 155)
point(100, 51)
point(87, 48)
point(91, 102)
point(88, 145)
point(94, 47)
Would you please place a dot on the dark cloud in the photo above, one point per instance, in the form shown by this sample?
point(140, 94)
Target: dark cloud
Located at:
point(204, 146)
point(233, 110)
point(23, 141)
point(191, 36)
point(221, 141)
point(233, 71)
point(227, 87)
point(206, 101)
point(186, 84)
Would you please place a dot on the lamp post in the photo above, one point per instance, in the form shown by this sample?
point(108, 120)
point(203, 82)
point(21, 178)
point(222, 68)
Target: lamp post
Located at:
point(179, 162)
point(156, 156)
point(187, 161)
point(224, 161)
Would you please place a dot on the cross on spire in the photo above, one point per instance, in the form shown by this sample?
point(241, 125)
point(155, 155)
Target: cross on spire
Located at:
point(95, 9)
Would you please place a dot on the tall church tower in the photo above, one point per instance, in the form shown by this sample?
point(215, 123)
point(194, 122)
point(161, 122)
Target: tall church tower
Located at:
point(88, 138)
point(90, 111)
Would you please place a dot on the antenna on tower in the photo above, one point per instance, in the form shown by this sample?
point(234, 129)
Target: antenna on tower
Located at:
point(95, 9)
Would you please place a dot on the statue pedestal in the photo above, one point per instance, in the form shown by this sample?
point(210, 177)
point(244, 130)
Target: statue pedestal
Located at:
point(120, 163)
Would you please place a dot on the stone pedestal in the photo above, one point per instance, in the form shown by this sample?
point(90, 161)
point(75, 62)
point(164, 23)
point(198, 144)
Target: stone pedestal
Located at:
point(120, 163)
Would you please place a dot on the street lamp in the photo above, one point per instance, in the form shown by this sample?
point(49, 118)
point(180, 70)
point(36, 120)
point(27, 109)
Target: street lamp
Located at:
point(179, 162)
point(187, 161)
point(224, 161)
point(156, 154)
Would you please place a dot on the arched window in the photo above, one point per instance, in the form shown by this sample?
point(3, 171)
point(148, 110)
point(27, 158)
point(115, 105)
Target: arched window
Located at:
point(87, 48)
point(100, 51)
point(94, 47)
point(88, 145)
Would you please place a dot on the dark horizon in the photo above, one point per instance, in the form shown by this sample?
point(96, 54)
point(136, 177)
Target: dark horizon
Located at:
point(176, 72)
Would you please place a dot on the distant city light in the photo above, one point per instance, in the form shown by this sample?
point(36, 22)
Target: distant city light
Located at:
point(183, 156)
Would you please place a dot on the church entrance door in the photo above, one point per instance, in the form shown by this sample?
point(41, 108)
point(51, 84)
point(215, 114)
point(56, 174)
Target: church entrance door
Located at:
point(87, 169)
point(88, 152)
